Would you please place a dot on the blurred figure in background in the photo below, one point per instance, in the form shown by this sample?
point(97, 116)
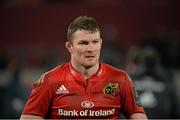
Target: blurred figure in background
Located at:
point(153, 82)
point(12, 92)
point(112, 54)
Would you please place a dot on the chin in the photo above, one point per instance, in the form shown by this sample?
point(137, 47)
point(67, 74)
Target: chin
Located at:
point(89, 64)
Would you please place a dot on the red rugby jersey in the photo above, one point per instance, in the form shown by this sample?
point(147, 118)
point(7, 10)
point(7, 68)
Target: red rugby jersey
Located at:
point(64, 93)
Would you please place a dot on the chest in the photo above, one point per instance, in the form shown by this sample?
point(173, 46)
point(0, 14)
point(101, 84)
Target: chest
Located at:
point(96, 97)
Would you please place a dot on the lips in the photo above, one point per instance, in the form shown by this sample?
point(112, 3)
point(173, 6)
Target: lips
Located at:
point(89, 56)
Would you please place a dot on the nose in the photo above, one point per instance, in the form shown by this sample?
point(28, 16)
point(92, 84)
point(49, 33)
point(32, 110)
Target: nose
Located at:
point(90, 47)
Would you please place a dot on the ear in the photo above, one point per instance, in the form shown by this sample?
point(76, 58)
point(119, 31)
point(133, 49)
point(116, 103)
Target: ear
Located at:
point(69, 46)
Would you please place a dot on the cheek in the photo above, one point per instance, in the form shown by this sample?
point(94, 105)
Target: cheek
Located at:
point(98, 48)
point(78, 51)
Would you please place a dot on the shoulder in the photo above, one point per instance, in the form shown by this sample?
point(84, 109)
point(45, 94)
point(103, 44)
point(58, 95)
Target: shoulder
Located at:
point(52, 75)
point(112, 70)
point(116, 74)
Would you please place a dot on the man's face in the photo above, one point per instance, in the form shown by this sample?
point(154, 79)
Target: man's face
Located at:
point(85, 48)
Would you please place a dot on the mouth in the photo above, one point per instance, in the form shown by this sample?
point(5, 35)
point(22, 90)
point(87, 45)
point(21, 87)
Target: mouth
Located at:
point(89, 57)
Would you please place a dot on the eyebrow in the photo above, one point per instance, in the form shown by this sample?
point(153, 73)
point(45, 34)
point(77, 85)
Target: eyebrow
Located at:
point(92, 40)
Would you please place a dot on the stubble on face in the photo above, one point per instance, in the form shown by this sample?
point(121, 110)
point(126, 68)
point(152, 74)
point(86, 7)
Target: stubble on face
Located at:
point(86, 48)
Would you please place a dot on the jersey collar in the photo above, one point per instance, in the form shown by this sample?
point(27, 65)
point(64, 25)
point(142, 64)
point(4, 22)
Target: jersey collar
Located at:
point(75, 73)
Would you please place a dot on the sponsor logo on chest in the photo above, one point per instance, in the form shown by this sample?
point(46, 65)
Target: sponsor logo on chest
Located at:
point(87, 104)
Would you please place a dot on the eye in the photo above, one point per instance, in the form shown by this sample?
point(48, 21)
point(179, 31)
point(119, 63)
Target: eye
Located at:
point(83, 43)
point(95, 41)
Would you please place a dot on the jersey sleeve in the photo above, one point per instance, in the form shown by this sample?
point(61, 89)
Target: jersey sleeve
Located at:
point(131, 101)
point(39, 99)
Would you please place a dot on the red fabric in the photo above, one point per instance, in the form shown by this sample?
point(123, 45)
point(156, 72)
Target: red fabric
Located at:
point(63, 93)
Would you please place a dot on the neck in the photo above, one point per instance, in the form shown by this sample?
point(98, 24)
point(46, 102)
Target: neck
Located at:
point(86, 72)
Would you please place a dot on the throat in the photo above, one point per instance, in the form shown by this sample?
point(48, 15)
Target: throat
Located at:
point(87, 76)
point(86, 72)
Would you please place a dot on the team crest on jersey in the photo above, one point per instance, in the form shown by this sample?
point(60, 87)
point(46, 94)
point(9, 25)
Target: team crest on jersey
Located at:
point(111, 88)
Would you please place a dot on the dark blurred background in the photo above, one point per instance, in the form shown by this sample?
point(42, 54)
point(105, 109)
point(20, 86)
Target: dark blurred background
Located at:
point(141, 37)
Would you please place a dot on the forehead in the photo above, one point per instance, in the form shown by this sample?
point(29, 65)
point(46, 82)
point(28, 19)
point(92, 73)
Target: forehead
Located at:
point(85, 35)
